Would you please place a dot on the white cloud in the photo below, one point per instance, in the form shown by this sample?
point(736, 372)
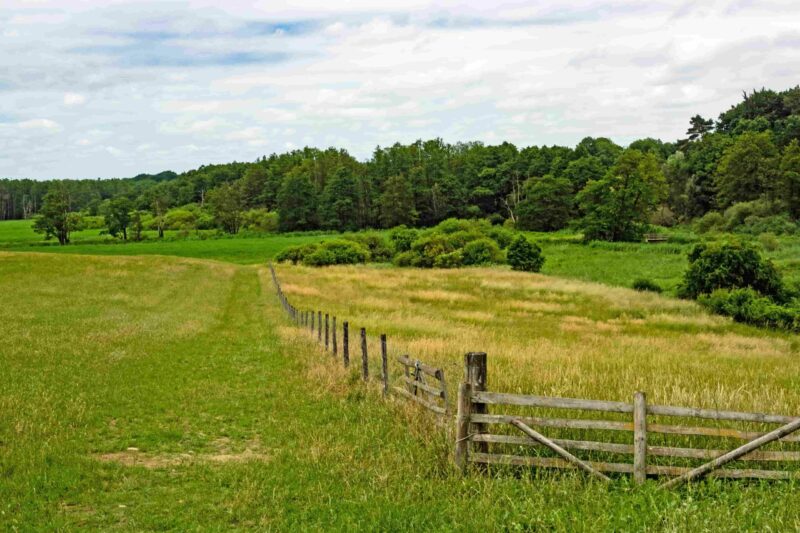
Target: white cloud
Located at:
point(184, 84)
point(74, 99)
point(44, 124)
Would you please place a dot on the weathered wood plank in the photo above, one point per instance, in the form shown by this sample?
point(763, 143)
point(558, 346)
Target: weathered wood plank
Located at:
point(734, 454)
point(476, 374)
point(424, 386)
point(419, 400)
point(703, 453)
point(576, 423)
point(547, 462)
point(500, 398)
point(624, 468)
point(565, 443)
point(569, 423)
point(714, 414)
point(541, 439)
point(639, 438)
point(384, 365)
point(428, 369)
point(628, 449)
point(726, 473)
point(462, 426)
point(712, 432)
point(364, 356)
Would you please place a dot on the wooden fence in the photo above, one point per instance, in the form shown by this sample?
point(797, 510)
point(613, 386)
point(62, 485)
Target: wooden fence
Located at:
point(511, 429)
point(623, 437)
point(418, 382)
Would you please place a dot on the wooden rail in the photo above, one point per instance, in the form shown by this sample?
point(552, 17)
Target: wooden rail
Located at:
point(637, 421)
point(421, 383)
point(634, 457)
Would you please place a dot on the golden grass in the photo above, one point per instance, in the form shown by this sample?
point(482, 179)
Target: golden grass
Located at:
point(559, 337)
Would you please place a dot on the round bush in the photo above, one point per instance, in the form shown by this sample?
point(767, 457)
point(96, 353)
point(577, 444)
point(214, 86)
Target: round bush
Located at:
point(711, 221)
point(296, 254)
point(643, 284)
point(482, 252)
point(402, 237)
point(338, 252)
point(525, 255)
point(731, 266)
point(450, 260)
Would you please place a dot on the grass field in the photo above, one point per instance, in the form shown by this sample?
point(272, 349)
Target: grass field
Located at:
point(152, 393)
point(609, 263)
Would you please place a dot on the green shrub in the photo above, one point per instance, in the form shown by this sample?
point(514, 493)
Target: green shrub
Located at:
point(769, 242)
point(643, 284)
point(737, 214)
point(730, 266)
point(93, 222)
point(663, 216)
point(375, 243)
point(401, 238)
point(748, 307)
point(452, 225)
point(450, 260)
point(405, 259)
point(296, 254)
point(525, 255)
point(260, 220)
point(483, 251)
point(188, 217)
point(711, 221)
point(337, 252)
point(501, 236)
point(777, 224)
point(428, 247)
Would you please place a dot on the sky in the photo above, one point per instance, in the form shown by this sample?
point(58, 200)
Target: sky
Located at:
point(112, 89)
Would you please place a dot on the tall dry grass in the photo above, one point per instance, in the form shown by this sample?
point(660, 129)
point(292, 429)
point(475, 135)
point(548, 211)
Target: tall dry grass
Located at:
point(553, 336)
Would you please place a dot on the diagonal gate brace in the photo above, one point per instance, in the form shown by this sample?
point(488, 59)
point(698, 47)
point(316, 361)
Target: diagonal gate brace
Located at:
point(541, 439)
point(732, 455)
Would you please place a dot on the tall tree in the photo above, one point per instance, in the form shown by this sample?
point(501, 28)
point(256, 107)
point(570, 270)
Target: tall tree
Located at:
point(397, 203)
point(118, 217)
point(227, 204)
point(297, 203)
point(790, 179)
point(748, 169)
point(546, 205)
point(699, 126)
point(55, 218)
point(617, 207)
point(339, 202)
point(254, 185)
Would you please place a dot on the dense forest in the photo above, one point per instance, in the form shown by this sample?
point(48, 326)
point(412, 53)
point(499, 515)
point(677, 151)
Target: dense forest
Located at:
point(741, 170)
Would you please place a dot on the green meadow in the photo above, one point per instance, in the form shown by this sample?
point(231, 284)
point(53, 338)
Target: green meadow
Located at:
point(609, 263)
point(148, 392)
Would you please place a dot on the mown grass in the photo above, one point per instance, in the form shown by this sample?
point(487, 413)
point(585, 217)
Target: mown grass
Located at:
point(242, 423)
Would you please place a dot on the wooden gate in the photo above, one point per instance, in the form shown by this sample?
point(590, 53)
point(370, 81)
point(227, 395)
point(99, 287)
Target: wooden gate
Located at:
point(619, 437)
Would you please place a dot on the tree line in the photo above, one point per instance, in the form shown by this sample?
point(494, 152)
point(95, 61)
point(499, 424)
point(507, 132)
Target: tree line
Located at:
point(749, 156)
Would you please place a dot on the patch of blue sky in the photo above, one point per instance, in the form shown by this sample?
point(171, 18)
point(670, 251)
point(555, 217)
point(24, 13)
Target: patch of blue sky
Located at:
point(155, 54)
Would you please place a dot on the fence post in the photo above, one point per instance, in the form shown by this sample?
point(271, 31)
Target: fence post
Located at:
point(462, 426)
point(333, 339)
point(346, 344)
point(327, 331)
point(639, 437)
point(364, 358)
point(319, 326)
point(475, 375)
point(384, 365)
point(312, 321)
